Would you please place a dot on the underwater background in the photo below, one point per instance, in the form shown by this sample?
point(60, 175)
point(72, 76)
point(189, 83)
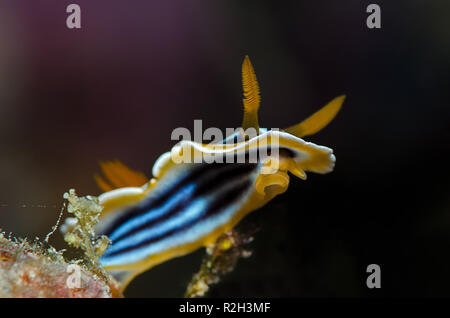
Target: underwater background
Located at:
point(117, 88)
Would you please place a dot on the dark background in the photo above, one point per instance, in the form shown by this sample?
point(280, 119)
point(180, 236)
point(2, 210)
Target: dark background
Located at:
point(138, 69)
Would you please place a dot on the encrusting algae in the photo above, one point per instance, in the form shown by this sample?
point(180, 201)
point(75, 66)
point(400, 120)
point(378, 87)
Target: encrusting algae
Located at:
point(29, 270)
point(220, 259)
point(32, 270)
point(81, 235)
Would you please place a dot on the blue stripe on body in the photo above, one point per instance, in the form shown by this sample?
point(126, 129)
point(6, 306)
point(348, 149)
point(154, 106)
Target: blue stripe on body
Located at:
point(153, 214)
point(198, 229)
point(188, 224)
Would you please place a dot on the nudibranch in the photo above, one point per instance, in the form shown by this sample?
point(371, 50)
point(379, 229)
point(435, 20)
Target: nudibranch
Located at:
point(188, 205)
